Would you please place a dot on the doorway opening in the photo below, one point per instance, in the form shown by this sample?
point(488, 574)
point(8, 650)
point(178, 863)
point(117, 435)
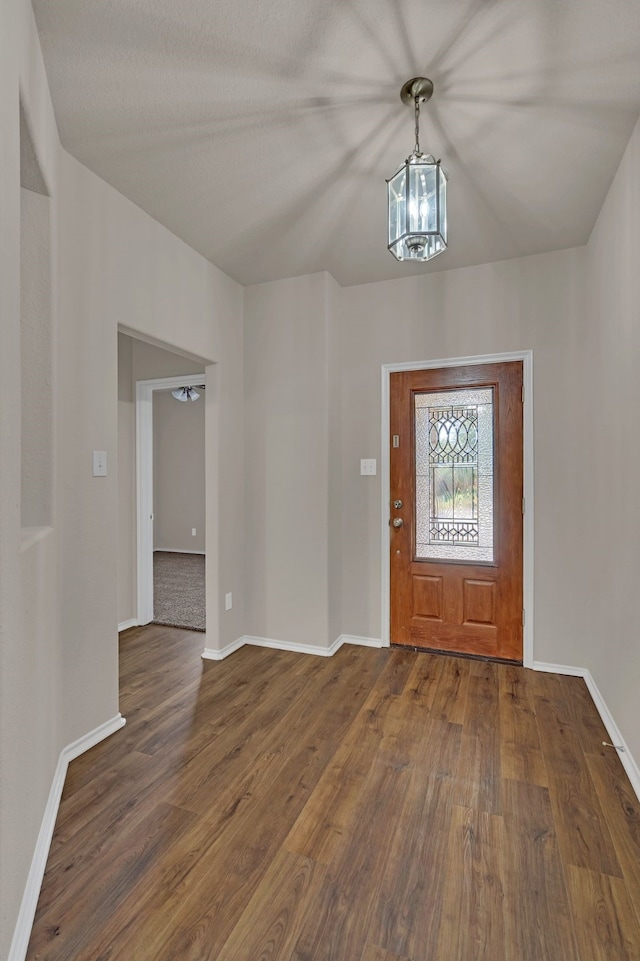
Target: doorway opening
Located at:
point(170, 489)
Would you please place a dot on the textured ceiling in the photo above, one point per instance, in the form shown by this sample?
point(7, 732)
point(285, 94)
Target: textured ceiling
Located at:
point(262, 131)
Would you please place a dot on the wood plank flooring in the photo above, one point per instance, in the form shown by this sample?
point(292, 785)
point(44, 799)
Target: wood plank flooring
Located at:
point(373, 806)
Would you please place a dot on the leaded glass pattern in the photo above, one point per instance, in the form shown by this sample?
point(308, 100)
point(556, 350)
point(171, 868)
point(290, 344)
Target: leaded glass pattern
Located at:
point(454, 474)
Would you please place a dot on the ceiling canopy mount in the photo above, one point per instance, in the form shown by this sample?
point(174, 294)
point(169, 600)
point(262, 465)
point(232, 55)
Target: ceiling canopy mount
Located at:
point(420, 88)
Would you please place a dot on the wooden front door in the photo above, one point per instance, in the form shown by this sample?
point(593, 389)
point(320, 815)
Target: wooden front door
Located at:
point(456, 526)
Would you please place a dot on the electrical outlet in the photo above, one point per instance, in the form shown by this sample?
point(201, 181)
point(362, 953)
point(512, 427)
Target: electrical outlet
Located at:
point(228, 601)
point(193, 532)
point(368, 466)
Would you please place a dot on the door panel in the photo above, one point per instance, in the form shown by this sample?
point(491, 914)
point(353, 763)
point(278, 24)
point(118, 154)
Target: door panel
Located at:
point(479, 602)
point(427, 597)
point(457, 471)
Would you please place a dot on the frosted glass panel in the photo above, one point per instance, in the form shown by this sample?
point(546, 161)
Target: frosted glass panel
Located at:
point(454, 474)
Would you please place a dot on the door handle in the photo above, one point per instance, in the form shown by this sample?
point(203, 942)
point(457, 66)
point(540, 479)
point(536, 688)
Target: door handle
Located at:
point(397, 522)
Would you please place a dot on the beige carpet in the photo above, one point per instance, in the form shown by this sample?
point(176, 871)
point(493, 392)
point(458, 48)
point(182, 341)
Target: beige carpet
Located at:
point(178, 590)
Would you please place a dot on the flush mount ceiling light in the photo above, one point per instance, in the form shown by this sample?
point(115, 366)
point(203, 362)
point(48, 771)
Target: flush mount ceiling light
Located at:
point(417, 193)
point(187, 393)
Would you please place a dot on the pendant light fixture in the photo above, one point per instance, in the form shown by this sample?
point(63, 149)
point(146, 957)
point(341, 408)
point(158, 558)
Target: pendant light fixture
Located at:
point(417, 193)
point(187, 393)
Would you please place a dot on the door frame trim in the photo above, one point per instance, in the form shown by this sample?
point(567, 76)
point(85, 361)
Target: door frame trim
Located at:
point(144, 486)
point(526, 356)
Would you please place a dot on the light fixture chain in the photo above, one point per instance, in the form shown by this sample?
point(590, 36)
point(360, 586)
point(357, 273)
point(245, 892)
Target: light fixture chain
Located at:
point(417, 148)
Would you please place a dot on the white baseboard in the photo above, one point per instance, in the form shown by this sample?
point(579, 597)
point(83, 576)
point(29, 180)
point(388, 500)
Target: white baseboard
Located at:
point(298, 648)
point(628, 761)
point(558, 669)
point(173, 550)
point(625, 755)
point(295, 646)
point(22, 932)
point(132, 622)
point(210, 654)
point(87, 741)
point(360, 641)
point(276, 645)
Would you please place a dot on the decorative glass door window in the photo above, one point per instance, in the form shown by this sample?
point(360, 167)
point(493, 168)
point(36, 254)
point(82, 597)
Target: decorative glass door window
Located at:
point(454, 475)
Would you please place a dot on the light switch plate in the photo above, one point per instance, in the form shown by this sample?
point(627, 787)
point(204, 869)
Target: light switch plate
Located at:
point(368, 466)
point(99, 463)
point(228, 601)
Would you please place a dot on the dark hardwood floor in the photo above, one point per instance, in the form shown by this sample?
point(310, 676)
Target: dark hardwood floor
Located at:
point(373, 806)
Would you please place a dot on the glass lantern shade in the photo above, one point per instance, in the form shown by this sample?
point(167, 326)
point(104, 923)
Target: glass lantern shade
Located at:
point(185, 394)
point(418, 209)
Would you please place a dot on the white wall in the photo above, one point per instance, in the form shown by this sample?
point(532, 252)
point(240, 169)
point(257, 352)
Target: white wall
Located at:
point(178, 473)
point(286, 466)
point(121, 267)
point(535, 302)
point(333, 466)
point(118, 266)
point(152, 361)
point(610, 641)
point(31, 685)
point(110, 265)
point(36, 359)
